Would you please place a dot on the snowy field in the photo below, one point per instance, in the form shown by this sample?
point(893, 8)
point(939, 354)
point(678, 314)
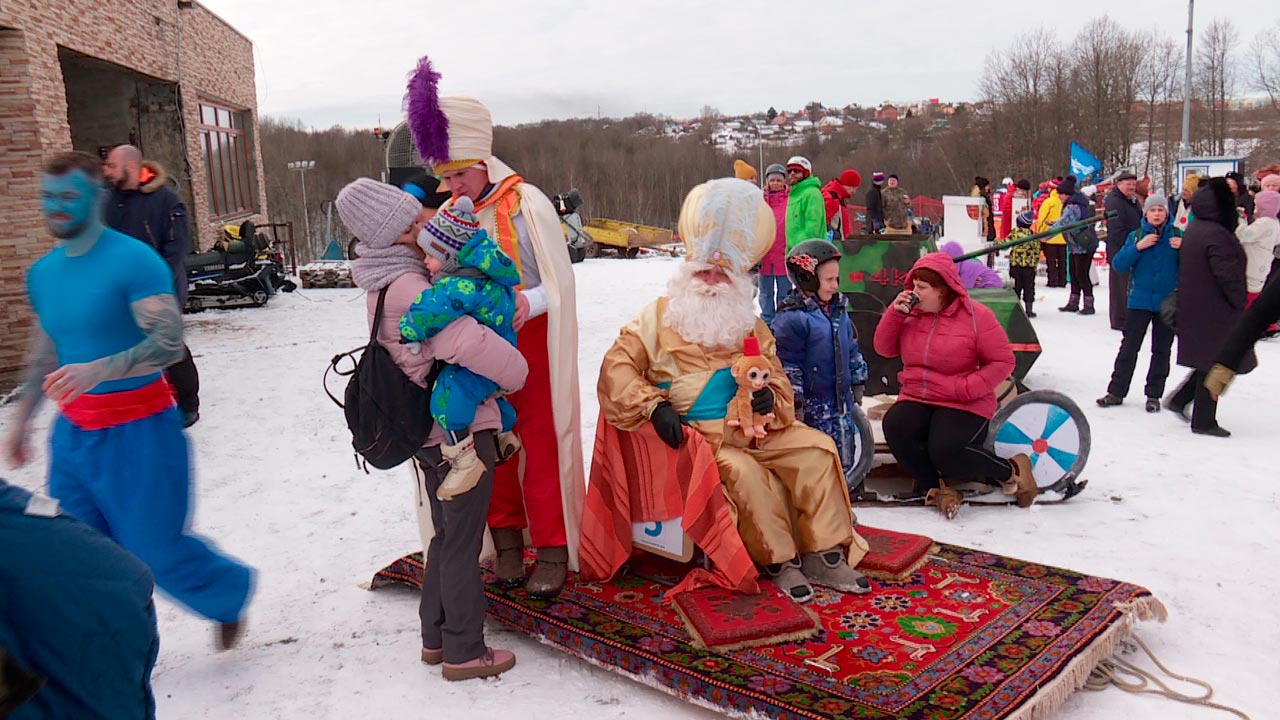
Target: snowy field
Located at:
point(1191, 518)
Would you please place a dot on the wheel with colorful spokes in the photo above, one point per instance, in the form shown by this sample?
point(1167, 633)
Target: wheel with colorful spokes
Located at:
point(1050, 428)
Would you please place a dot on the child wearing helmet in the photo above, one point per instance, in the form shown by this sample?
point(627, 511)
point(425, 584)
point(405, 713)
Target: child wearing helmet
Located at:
point(817, 344)
point(1023, 260)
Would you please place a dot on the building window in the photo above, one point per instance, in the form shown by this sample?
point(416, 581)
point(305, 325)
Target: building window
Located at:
point(228, 161)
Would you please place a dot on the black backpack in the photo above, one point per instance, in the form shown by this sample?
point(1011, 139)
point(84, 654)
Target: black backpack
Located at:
point(388, 414)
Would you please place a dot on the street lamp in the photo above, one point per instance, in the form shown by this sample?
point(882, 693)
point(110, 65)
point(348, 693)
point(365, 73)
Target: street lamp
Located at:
point(760, 146)
point(302, 166)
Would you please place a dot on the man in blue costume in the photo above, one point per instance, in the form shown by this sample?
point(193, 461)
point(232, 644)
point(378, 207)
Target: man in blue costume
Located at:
point(108, 325)
point(76, 618)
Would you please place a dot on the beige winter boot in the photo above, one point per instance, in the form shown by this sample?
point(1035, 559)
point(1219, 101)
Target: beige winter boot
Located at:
point(465, 469)
point(508, 445)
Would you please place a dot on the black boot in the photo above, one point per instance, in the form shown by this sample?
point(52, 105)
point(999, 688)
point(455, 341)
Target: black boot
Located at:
point(1028, 303)
point(1073, 304)
point(1088, 305)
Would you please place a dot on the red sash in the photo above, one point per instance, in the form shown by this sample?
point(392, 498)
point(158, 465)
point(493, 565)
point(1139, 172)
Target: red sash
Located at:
point(99, 412)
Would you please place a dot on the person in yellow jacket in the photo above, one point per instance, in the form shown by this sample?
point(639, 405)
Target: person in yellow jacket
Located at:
point(1055, 248)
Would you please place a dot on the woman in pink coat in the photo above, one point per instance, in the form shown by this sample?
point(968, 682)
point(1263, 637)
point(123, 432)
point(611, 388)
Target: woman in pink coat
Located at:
point(772, 281)
point(954, 354)
point(387, 221)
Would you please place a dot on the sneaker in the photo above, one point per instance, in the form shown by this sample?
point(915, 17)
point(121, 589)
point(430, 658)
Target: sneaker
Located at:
point(465, 469)
point(1153, 405)
point(829, 569)
point(789, 578)
point(492, 662)
point(1215, 431)
point(1109, 400)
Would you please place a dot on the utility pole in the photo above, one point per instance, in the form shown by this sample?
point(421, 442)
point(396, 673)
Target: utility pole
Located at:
point(1185, 149)
point(302, 166)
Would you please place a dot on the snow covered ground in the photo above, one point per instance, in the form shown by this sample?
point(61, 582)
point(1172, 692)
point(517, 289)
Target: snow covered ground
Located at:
point(1191, 518)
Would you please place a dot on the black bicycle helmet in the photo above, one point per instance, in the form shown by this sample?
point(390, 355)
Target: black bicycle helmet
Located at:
point(804, 259)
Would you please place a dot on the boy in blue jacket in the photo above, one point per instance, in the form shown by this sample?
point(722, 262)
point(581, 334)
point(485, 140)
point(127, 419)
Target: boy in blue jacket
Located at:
point(1150, 256)
point(817, 345)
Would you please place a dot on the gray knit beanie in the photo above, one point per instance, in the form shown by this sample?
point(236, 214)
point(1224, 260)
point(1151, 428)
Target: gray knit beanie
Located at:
point(776, 169)
point(1155, 200)
point(375, 212)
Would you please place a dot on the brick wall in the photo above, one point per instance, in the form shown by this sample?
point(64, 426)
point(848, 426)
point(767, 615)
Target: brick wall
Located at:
point(212, 60)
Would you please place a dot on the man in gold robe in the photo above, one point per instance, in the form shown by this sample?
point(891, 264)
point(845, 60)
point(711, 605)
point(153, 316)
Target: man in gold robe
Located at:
point(670, 367)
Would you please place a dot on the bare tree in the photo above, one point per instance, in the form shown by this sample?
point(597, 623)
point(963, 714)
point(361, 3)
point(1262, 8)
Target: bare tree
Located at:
point(1158, 76)
point(1215, 80)
point(1265, 52)
point(1027, 89)
point(1104, 60)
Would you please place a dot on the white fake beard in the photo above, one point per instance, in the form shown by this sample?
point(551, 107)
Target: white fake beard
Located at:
point(713, 316)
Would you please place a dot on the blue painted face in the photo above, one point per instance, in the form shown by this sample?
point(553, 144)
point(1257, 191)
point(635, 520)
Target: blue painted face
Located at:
point(70, 203)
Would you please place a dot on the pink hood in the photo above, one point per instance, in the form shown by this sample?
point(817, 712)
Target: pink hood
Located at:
point(775, 260)
point(954, 358)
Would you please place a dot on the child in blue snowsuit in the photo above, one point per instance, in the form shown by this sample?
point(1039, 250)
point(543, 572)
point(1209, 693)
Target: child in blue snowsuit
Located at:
point(817, 345)
point(470, 275)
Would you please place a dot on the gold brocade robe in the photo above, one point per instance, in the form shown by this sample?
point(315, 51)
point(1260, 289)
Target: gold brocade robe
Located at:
point(787, 490)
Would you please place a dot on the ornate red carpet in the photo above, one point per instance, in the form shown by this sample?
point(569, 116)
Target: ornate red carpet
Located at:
point(968, 635)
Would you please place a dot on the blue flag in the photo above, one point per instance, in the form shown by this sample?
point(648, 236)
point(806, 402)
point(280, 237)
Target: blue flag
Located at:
point(1084, 165)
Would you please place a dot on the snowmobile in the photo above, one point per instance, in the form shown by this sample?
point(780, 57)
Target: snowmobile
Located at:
point(1046, 425)
point(242, 269)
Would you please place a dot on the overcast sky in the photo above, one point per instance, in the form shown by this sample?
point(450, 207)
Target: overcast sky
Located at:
point(332, 62)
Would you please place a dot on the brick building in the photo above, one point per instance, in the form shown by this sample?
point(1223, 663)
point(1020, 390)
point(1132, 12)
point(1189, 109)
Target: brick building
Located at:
point(166, 75)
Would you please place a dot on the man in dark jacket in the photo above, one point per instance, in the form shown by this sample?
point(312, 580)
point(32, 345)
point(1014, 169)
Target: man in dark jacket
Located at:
point(1123, 199)
point(875, 204)
point(76, 611)
point(1211, 300)
point(143, 206)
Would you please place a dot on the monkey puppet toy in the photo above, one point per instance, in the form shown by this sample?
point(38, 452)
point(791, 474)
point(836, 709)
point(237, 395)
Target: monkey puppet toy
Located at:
point(752, 371)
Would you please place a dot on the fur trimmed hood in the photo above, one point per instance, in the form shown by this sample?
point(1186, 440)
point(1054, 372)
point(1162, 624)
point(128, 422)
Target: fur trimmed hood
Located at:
point(152, 177)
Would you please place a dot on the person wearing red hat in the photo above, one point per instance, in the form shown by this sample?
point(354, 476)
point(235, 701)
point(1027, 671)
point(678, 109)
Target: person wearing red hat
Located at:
point(835, 198)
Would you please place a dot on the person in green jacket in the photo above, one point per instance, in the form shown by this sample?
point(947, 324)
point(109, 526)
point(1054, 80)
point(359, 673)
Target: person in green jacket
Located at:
point(806, 213)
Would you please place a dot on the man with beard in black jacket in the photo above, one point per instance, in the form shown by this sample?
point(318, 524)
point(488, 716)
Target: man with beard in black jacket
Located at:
point(1123, 199)
point(142, 205)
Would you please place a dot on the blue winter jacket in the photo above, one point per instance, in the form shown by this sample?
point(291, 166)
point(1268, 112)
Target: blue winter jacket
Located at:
point(819, 351)
point(75, 608)
point(1153, 273)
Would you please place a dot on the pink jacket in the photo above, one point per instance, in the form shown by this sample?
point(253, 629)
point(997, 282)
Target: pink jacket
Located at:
point(775, 261)
point(952, 359)
point(464, 342)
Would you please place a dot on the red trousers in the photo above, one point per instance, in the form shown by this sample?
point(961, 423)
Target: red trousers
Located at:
point(534, 500)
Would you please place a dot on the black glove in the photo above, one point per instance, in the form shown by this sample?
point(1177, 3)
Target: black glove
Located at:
point(858, 391)
point(666, 422)
point(762, 401)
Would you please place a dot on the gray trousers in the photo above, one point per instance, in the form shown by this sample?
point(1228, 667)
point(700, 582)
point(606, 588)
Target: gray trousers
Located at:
point(453, 603)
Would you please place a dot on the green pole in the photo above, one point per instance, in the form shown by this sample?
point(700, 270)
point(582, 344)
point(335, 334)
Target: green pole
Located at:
point(1038, 236)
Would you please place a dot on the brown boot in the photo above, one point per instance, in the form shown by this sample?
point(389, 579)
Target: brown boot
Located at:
point(509, 565)
point(549, 574)
point(226, 635)
point(947, 501)
point(1022, 483)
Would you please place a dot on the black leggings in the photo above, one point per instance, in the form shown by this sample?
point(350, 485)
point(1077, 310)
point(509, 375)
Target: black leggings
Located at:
point(1024, 283)
point(932, 442)
point(1055, 258)
point(1080, 282)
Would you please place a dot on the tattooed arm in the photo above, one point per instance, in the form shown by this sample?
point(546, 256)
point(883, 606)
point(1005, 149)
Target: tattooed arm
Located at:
point(160, 319)
point(41, 360)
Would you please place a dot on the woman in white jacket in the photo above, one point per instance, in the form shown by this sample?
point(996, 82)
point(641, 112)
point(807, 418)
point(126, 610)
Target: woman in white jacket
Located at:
point(1261, 240)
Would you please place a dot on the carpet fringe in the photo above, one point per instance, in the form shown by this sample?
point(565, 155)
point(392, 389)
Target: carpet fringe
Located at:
point(1050, 697)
